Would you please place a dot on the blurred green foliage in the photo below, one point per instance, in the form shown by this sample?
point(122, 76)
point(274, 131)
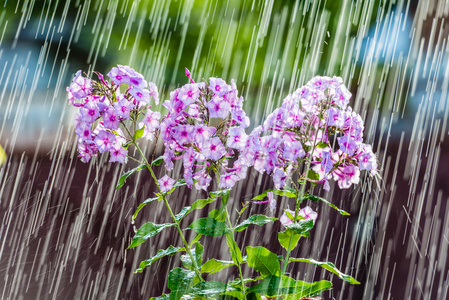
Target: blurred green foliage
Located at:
point(268, 47)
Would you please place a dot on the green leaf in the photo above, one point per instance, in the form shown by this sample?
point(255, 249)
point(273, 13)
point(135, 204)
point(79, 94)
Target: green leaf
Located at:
point(256, 220)
point(284, 239)
point(209, 226)
point(322, 145)
point(302, 227)
point(236, 294)
point(148, 201)
point(179, 281)
point(147, 231)
point(220, 193)
point(214, 265)
point(161, 253)
point(236, 253)
point(162, 297)
point(311, 289)
point(197, 253)
point(316, 198)
point(218, 214)
point(180, 182)
point(127, 145)
point(139, 133)
point(275, 286)
point(313, 175)
point(224, 194)
point(196, 239)
point(263, 260)
point(243, 209)
point(122, 178)
point(238, 282)
point(208, 288)
point(287, 192)
point(198, 204)
point(157, 161)
point(328, 266)
point(185, 210)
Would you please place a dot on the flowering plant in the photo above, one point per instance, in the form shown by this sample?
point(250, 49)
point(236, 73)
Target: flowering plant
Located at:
point(312, 139)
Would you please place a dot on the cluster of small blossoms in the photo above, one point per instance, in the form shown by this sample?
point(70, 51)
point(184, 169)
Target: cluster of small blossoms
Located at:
point(204, 127)
point(303, 129)
point(103, 107)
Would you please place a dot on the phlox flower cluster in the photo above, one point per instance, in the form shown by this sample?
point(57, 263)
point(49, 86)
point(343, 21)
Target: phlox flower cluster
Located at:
point(204, 127)
point(304, 128)
point(103, 107)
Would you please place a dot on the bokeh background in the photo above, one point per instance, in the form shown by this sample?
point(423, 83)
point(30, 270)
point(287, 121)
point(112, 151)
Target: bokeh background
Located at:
point(64, 228)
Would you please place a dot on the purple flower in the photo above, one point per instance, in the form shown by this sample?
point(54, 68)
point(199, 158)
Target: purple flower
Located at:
point(189, 93)
point(319, 82)
point(285, 220)
point(153, 92)
point(142, 95)
point(228, 180)
point(166, 183)
point(111, 119)
point(237, 138)
point(271, 201)
point(346, 176)
point(239, 115)
point(183, 134)
point(202, 180)
point(279, 177)
point(119, 75)
point(218, 86)
point(169, 154)
point(151, 123)
point(123, 108)
point(293, 150)
point(326, 161)
point(188, 158)
point(336, 117)
point(367, 160)
point(80, 87)
point(239, 169)
point(89, 112)
point(202, 133)
point(341, 96)
point(86, 151)
point(218, 108)
point(118, 154)
point(213, 149)
point(347, 145)
point(83, 131)
point(104, 140)
point(308, 214)
point(294, 118)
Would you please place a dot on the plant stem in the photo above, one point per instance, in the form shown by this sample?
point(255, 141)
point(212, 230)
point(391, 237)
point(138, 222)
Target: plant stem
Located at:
point(233, 240)
point(164, 197)
point(235, 254)
point(299, 194)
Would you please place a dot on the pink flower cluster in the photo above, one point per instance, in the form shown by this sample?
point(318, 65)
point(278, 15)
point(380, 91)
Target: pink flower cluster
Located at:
point(102, 106)
point(304, 128)
point(205, 127)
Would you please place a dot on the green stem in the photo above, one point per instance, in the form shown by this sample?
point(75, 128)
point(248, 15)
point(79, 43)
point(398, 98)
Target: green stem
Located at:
point(299, 195)
point(235, 254)
point(233, 239)
point(164, 197)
